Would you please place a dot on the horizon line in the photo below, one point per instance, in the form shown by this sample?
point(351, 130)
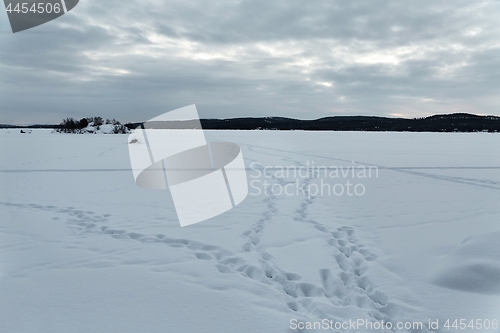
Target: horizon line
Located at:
point(279, 117)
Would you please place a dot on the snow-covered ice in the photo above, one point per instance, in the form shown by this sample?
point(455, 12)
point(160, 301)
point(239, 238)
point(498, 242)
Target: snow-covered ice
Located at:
point(83, 249)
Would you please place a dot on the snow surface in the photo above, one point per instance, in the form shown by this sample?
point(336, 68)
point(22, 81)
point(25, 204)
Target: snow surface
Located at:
point(83, 249)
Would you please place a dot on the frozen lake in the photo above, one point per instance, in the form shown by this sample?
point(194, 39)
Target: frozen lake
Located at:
point(84, 249)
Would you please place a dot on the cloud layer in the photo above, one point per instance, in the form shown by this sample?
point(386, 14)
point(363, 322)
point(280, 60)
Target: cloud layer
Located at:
point(303, 59)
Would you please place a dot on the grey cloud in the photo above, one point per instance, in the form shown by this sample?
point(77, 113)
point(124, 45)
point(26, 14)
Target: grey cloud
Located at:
point(303, 59)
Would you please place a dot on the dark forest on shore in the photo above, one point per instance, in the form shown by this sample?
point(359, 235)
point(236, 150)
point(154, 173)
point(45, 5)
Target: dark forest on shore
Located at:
point(457, 122)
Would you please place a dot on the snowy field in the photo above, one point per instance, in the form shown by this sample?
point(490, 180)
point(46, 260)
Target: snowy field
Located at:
point(83, 249)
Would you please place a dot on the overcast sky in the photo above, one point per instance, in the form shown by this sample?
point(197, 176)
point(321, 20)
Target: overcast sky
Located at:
point(135, 59)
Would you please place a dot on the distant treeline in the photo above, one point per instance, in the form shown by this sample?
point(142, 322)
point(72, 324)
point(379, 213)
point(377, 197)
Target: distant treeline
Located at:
point(457, 122)
point(29, 126)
